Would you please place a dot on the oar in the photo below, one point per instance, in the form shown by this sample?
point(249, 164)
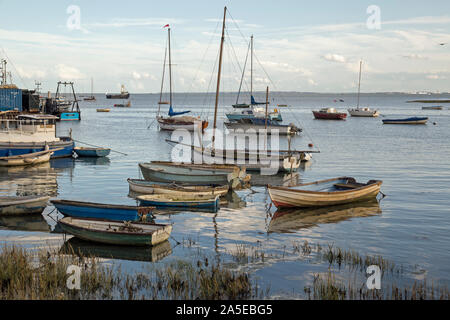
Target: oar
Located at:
point(91, 145)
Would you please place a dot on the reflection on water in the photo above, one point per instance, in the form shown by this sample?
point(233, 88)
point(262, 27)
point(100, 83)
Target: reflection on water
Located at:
point(286, 180)
point(34, 223)
point(285, 221)
point(103, 161)
point(89, 249)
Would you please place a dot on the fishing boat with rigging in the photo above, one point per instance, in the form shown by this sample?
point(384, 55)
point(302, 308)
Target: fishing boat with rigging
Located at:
point(124, 94)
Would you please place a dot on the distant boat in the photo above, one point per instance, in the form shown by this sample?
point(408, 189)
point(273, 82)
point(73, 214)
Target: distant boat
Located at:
point(92, 152)
point(362, 112)
point(12, 206)
point(149, 187)
point(324, 193)
point(27, 159)
point(91, 97)
point(208, 202)
point(123, 94)
point(100, 211)
point(329, 114)
point(122, 105)
point(103, 110)
point(433, 108)
point(413, 120)
point(116, 233)
point(259, 126)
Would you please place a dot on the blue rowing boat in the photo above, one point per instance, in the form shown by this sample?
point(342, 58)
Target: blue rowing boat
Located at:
point(101, 211)
point(187, 202)
point(92, 152)
point(413, 120)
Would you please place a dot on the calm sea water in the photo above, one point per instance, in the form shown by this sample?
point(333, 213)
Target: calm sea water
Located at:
point(409, 227)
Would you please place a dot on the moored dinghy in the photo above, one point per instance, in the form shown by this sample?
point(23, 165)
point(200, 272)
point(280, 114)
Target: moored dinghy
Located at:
point(413, 120)
point(92, 152)
point(117, 233)
point(100, 211)
point(27, 159)
point(193, 174)
point(148, 187)
point(12, 206)
point(179, 201)
point(324, 193)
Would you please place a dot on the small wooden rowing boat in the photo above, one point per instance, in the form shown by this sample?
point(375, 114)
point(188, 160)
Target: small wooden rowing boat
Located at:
point(27, 159)
point(148, 187)
point(324, 193)
point(13, 206)
point(189, 173)
point(103, 110)
point(433, 108)
point(116, 233)
point(92, 152)
point(100, 211)
point(181, 201)
point(413, 120)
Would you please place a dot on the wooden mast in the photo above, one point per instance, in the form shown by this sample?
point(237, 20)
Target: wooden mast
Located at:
point(267, 105)
point(218, 76)
point(359, 85)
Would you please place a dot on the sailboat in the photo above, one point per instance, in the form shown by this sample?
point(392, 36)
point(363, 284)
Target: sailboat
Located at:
point(251, 110)
point(91, 97)
point(176, 120)
point(288, 160)
point(362, 112)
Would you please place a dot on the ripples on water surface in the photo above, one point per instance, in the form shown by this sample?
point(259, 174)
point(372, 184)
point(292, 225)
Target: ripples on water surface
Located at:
point(409, 227)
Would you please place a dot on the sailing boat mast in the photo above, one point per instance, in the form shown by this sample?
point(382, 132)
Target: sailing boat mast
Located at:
point(251, 67)
point(359, 85)
point(162, 82)
point(170, 72)
point(219, 75)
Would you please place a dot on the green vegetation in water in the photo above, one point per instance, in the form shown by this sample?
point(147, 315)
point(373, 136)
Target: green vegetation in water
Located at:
point(42, 275)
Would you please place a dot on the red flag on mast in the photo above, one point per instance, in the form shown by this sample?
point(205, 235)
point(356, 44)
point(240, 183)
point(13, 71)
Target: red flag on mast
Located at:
point(166, 26)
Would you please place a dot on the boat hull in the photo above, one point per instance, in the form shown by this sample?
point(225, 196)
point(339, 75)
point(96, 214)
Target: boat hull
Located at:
point(329, 116)
point(185, 176)
point(18, 148)
point(146, 187)
point(282, 130)
point(168, 125)
point(95, 231)
point(98, 211)
point(26, 160)
point(406, 121)
point(284, 197)
point(363, 113)
point(168, 201)
point(16, 206)
point(92, 153)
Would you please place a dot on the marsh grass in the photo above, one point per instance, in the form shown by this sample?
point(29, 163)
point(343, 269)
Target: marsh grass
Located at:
point(42, 275)
point(328, 287)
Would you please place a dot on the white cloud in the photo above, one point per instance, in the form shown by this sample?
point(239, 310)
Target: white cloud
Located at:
point(65, 72)
point(334, 58)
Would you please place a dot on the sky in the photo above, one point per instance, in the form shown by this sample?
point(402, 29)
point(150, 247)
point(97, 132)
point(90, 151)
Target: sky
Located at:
point(304, 46)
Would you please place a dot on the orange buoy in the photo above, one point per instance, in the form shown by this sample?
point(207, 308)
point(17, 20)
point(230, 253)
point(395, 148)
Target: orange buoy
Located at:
point(310, 145)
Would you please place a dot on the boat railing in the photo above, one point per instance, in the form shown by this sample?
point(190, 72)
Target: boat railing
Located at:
point(26, 126)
